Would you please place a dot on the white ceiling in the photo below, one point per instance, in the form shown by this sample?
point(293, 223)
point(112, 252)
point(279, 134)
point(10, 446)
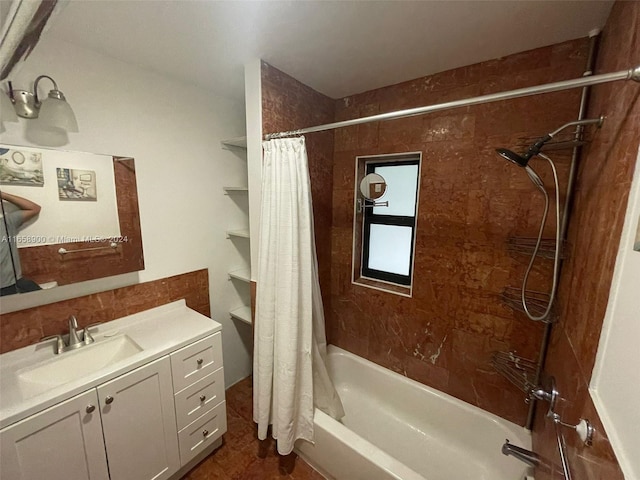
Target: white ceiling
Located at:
point(337, 47)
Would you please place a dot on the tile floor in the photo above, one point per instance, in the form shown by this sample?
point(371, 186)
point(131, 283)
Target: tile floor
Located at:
point(242, 456)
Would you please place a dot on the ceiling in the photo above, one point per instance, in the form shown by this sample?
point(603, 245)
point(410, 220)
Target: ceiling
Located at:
point(337, 47)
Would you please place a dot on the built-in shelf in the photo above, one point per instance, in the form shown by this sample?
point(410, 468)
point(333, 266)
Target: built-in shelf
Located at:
point(243, 314)
point(243, 275)
point(229, 190)
point(244, 233)
point(240, 142)
point(239, 194)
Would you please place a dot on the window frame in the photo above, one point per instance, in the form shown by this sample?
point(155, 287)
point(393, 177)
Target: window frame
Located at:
point(369, 218)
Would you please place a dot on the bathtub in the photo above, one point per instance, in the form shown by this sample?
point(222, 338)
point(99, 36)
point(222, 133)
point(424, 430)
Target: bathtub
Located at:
point(396, 428)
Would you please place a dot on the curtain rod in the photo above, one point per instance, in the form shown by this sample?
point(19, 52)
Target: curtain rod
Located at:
point(630, 74)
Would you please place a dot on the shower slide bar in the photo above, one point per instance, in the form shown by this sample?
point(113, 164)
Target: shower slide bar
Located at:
point(630, 74)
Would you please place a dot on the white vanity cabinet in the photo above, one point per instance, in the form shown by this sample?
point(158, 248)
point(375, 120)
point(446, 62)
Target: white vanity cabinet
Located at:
point(59, 443)
point(66, 440)
point(151, 417)
point(139, 423)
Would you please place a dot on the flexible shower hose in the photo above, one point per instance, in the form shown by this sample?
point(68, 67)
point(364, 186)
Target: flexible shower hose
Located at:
point(556, 257)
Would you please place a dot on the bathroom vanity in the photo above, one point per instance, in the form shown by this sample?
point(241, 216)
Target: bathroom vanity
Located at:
point(144, 401)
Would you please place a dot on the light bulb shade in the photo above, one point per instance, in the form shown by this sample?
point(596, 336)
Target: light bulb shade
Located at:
point(7, 113)
point(56, 113)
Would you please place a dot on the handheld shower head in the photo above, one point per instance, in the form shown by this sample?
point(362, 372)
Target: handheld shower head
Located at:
point(512, 157)
point(523, 160)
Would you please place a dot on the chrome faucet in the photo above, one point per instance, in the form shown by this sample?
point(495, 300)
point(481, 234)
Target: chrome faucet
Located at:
point(75, 339)
point(530, 458)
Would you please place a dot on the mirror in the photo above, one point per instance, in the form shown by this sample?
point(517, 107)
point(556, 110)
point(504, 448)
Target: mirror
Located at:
point(87, 223)
point(373, 186)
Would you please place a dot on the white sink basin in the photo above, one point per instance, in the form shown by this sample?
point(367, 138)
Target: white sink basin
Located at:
point(69, 366)
point(33, 378)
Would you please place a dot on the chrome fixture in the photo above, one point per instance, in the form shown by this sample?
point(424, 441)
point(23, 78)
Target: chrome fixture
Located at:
point(86, 334)
point(530, 458)
point(547, 393)
point(362, 204)
point(541, 312)
point(64, 251)
point(583, 428)
point(75, 339)
point(585, 81)
point(535, 148)
point(54, 112)
point(60, 343)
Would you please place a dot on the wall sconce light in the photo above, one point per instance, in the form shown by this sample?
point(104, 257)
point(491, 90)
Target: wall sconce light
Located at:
point(54, 111)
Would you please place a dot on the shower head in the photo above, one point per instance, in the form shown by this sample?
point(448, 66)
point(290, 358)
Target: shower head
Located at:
point(523, 160)
point(512, 157)
point(534, 149)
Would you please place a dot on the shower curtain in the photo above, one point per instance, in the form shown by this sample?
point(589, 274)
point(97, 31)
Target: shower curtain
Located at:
point(290, 375)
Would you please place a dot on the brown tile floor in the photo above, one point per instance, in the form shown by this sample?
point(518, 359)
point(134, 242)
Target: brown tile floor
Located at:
point(242, 456)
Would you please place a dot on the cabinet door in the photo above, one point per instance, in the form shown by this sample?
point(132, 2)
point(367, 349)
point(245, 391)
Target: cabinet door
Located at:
point(60, 443)
point(139, 423)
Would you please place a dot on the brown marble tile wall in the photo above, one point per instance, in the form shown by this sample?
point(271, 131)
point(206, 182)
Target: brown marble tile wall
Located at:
point(288, 104)
point(471, 202)
point(597, 218)
point(25, 327)
point(43, 264)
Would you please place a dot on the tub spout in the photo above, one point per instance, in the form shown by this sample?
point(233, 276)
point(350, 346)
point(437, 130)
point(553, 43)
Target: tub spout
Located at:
point(530, 458)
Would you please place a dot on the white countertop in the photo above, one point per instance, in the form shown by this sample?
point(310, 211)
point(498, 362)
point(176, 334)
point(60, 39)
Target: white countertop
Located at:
point(157, 331)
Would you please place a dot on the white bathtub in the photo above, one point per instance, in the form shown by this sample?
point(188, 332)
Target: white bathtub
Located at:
point(396, 428)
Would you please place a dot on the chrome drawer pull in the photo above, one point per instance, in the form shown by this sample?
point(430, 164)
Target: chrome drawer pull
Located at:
point(90, 408)
point(199, 361)
point(203, 398)
point(108, 400)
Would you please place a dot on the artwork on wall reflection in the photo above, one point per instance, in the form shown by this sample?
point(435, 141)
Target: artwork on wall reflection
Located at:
point(76, 184)
point(19, 167)
point(636, 244)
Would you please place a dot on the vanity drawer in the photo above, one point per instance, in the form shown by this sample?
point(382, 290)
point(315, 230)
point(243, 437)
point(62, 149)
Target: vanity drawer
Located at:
point(196, 361)
point(202, 433)
point(199, 398)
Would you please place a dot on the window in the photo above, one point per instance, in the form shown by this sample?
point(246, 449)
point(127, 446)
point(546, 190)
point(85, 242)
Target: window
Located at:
point(388, 232)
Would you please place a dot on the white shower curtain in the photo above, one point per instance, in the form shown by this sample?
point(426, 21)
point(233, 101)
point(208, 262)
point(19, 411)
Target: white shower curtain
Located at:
point(289, 375)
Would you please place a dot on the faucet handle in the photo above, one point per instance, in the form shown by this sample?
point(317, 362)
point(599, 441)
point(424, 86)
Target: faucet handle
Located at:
point(60, 345)
point(546, 392)
point(87, 338)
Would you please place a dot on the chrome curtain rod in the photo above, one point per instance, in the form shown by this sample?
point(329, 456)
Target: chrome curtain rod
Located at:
point(630, 74)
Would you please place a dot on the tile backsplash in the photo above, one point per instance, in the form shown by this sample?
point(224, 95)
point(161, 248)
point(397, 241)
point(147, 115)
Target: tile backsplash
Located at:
point(25, 327)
